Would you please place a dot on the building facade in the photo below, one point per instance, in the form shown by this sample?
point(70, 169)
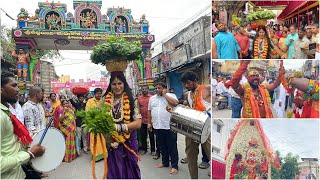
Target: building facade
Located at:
point(188, 50)
point(309, 168)
point(47, 74)
point(221, 131)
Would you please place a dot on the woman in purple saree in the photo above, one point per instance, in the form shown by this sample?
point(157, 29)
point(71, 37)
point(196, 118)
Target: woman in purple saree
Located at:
point(123, 159)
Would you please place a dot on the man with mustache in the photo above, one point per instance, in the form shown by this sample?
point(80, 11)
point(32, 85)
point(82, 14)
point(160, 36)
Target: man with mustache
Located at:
point(254, 96)
point(227, 45)
point(14, 135)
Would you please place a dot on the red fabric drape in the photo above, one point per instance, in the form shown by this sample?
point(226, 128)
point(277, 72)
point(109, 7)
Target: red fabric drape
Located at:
point(218, 170)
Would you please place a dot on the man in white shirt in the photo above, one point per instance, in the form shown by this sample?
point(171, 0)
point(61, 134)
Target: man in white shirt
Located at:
point(251, 35)
point(280, 99)
point(214, 84)
point(222, 90)
point(16, 109)
point(159, 118)
point(33, 111)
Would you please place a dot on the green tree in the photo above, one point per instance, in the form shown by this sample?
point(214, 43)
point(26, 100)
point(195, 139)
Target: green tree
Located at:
point(289, 168)
point(7, 44)
point(275, 173)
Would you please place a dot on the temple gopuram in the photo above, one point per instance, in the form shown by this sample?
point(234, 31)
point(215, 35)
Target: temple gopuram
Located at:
point(54, 28)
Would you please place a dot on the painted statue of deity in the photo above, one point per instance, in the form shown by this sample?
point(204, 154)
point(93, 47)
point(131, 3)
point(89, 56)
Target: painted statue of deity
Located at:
point(121, 26)
point(88, 19)
point(249, 154)
point(53, 22)
point(34, 59)
point(23, 60)
point(23, 15)
point(147, 66)
point(143, 20)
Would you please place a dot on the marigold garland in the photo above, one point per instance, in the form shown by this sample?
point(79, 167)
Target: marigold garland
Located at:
point(123, 136)
point(256, 49)
point(125, 110)
point(268, 95)
point(315, 95)
point(247, 105)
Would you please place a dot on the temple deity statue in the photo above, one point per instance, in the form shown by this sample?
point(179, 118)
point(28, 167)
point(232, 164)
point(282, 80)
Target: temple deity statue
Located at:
point(147, 65)
point(88, 20)
point(23, 61)
point(34, 59)
point(143, 20)
point(121, 26)
point(53, 22)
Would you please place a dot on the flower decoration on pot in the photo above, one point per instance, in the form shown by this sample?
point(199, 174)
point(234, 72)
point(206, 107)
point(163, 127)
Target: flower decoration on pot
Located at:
point(116, 52)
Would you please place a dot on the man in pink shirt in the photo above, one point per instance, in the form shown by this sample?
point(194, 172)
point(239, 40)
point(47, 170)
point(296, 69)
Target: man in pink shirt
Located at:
point(143, 103)
point(243, 41)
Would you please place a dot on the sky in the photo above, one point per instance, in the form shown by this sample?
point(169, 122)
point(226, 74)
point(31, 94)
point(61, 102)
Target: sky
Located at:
point(164, 17)
point(300, 137)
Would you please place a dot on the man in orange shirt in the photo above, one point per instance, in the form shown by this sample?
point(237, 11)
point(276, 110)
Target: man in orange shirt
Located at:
point(199, 98)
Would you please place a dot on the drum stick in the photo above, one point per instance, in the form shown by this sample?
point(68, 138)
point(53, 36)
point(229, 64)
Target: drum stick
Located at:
point(46, 130)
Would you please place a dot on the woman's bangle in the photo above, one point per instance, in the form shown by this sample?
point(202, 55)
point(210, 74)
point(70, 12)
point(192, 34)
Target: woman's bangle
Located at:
point(31, 154)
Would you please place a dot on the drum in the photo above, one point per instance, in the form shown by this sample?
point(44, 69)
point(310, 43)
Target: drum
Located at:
point(55, 145)
point(191, 123)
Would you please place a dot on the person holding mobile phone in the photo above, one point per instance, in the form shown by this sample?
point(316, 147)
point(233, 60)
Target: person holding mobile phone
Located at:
point(316, 39)
point(292, 37)
point(159, 116)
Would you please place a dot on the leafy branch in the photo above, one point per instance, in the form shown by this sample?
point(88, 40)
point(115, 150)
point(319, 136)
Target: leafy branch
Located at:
point(116, 49)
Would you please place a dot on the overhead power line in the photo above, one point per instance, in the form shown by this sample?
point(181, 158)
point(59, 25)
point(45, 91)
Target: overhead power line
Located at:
point(7, 14)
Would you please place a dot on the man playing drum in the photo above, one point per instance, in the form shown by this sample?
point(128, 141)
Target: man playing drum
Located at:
point(14, 136)
point(199, 98)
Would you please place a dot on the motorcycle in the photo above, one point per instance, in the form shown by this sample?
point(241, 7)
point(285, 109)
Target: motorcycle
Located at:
point(221, 102)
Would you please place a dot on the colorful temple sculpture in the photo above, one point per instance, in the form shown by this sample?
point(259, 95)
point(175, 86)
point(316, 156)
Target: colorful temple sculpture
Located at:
point(52, 27)
point(249, 154)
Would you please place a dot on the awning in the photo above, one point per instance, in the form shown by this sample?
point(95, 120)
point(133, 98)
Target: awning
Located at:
point(269, 3)
point(218, 170)
point(294, 7)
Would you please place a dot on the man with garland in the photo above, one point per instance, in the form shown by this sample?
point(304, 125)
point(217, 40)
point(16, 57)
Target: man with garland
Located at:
point(254, 96)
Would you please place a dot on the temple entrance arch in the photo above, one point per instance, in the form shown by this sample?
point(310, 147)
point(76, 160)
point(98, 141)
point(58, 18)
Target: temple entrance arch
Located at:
point(53, 28)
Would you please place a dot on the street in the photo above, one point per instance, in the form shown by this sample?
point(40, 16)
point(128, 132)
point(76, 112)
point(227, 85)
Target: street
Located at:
point(226, 113)
point(80, 168)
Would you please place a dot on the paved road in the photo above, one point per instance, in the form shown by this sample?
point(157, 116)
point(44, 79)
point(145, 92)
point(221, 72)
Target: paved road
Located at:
point(80, 168)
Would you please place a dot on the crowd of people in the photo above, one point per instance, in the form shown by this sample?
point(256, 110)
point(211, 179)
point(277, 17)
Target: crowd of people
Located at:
point(273, 41)
point(250, 94)
point(149, 114)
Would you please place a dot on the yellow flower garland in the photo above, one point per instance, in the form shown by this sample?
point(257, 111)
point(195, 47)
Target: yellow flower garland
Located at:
point(256, 49)
point(247, 105)
point(125, 113)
